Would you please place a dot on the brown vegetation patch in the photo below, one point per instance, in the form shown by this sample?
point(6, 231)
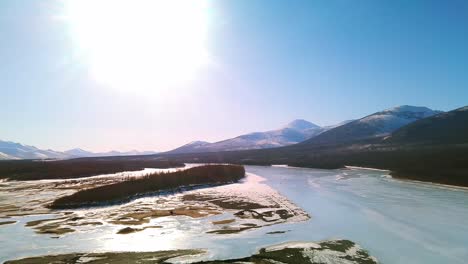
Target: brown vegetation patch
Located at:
point(336, 251)
point(111, 257)
point(277, 232)
point(224, 202)
point(138, 218)
point(129, 230)
point(60, 225)
point(53, 229)
point(91, 223)
point(38, 222)
point(223, 222)
point(234, 229)
point(268, 216)
point(7, 222)
point(5, 208)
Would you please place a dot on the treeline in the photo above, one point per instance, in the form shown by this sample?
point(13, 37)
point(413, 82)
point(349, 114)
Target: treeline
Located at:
point(432, 149)
point(76, 168)
point(446, 164)
point(122, 191)
point(442, 163)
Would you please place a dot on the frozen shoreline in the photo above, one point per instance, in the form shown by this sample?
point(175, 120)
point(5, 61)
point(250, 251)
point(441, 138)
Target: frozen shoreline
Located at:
point(365, 168)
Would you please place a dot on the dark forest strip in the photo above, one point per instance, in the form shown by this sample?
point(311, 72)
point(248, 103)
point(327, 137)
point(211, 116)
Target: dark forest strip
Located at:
point(22, 170)
point(207, 174)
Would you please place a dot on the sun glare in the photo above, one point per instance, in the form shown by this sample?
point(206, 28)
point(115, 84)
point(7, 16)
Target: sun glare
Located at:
point(140, 44)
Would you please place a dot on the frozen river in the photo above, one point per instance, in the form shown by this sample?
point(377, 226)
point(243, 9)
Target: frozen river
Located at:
point(397, 221)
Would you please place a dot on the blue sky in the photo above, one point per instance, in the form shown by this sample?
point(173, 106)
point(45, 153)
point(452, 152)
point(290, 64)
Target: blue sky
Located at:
point(275, 61)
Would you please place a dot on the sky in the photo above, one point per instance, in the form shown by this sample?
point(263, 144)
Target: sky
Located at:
point(264, 64)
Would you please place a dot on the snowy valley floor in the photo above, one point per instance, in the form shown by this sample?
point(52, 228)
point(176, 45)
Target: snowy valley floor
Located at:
point(216, 211)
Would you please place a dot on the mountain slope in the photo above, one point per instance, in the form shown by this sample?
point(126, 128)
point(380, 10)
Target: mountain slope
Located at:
point(296, 131)
point(14, 150)
point(77, 152)
point(4, 156)
point(191, 147)
point(378, 124)
point(444, 128)
point(339, 124)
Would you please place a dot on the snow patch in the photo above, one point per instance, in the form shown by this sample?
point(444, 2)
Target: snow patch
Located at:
point(297, 244)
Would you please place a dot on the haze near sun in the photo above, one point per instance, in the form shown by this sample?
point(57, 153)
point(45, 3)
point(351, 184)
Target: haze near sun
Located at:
point(140, 44)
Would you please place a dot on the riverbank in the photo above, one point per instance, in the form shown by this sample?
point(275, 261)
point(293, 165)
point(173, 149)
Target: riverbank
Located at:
point(330, 251)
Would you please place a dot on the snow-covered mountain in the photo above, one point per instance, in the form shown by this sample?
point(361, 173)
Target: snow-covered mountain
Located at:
point(445, 128)
point(301, 124)
point(4, 156)
point(339, 124)
point(77, 152)
point(391, 119)
point(12, 150)
point(377, 124)
point(194, 146)
point(294, 132)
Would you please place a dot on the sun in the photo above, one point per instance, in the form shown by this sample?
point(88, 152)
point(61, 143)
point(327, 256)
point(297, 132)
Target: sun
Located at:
point(140, 44)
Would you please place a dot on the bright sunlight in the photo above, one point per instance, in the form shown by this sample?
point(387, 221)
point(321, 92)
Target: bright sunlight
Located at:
point(140, 44)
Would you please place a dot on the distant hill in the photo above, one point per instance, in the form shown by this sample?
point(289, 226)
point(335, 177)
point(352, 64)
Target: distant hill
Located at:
point(77, 152)
point(378, 124)
point(294, 132)
point(12, 150)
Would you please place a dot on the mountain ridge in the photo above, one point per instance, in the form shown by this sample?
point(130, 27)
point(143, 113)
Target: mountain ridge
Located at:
point(13, 150)
point(432, 149)
point(292, 133)
point(374, 125)
point(443, 128)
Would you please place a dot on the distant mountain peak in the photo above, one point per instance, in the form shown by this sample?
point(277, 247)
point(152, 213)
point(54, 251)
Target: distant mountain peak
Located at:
point(402, 111)
point(197, 143)
point(301, 124)
point(191, 146)
point(296, 131)
point(78, 152)
point(409, 108)
point(76, 149)
point(446, 128)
